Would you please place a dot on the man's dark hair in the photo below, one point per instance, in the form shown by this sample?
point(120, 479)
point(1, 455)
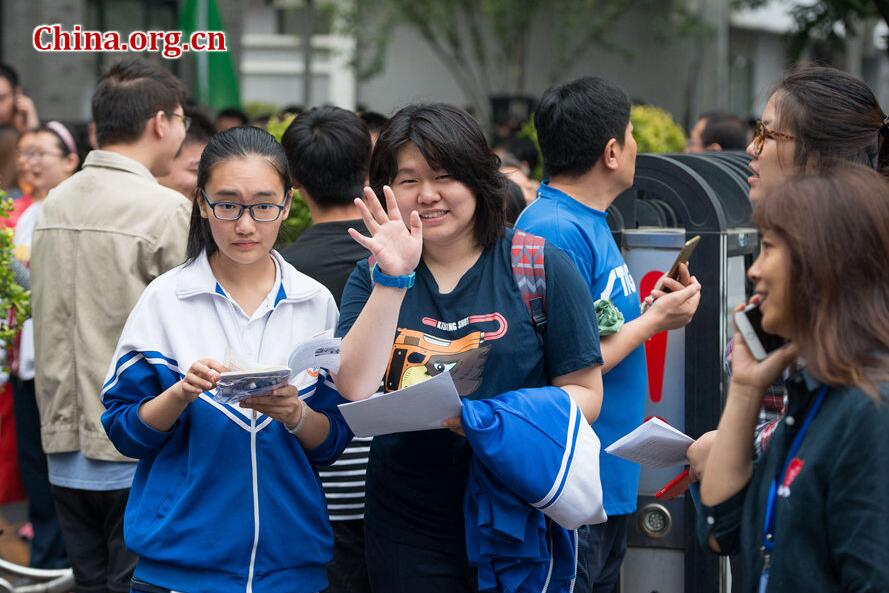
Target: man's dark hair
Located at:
point(328, 149)
point(450, 140)
point(9, 73)
point(234, 143)
point(515, 202)
point(128, 95)
point(234, 113)
point(523, 149)
point(201, 128)
point(725, 129)
point(375, 121)
point(576, 120)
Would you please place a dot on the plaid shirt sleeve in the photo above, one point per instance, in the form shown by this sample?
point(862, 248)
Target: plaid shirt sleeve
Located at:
point(772, 409)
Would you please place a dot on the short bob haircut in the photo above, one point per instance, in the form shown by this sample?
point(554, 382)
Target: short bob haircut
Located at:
point(234, 143)
point(836, 226)
point(450, 140)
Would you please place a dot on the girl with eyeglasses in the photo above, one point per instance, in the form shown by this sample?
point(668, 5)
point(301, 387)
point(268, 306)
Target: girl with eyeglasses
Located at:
point(227, 497)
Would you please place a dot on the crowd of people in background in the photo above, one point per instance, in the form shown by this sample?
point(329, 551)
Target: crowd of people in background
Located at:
point(149, 241)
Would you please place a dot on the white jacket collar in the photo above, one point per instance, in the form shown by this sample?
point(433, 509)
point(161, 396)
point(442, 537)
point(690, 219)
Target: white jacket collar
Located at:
point(197, 277)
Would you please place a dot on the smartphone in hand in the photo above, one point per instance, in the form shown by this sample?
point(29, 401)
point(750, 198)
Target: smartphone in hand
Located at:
point(761, 343)
point(682, 258)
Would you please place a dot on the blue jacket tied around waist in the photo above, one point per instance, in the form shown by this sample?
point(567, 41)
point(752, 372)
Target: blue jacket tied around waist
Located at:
point(534, 478)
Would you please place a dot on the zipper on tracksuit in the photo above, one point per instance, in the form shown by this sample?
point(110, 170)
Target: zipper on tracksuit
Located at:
point(255, 479)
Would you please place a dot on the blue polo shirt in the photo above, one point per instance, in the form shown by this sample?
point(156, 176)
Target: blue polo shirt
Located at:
point(583, 233)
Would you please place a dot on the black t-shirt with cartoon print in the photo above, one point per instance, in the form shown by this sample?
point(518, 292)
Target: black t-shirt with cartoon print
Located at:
point(481, 331)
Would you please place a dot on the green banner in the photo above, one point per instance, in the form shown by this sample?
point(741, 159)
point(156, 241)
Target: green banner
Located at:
point(216, 79)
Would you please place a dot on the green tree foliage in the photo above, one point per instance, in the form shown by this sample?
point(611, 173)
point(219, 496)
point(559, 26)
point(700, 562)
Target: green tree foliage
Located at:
point(299, 218)
point(655, 130)
point(826, 20)
point(529, 131)
point(15, 301)
point(485, 44)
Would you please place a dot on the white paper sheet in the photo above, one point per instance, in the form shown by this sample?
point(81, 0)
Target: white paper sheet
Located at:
point(653, 444)
point(419, 407)
point(315, 354)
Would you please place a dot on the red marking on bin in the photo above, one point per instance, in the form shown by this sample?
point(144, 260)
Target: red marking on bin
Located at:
point(656, 346)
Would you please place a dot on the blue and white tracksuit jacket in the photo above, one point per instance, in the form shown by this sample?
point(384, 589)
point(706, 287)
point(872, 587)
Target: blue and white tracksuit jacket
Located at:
point(223, 502)
point(534, 478)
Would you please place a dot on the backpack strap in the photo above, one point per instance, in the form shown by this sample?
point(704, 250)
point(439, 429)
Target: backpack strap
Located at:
point(371, 262)
point(530, 274)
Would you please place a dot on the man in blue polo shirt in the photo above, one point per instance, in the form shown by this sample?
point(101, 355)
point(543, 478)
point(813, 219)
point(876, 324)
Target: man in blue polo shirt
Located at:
point(589, 155)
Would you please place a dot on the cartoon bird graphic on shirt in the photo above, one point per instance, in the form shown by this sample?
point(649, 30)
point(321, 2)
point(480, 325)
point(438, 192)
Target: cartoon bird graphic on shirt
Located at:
point(417, 357)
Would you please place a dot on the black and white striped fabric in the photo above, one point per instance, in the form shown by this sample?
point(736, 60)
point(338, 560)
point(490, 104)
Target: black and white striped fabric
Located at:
point(344, 481)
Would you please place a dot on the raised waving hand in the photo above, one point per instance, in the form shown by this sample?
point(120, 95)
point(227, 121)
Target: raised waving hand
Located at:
point(395, 247)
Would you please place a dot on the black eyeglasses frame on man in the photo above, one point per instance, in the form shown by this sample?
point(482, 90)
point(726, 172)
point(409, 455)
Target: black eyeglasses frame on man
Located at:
point(186, 121)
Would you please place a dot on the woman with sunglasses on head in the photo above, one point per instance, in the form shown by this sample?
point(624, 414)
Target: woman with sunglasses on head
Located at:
point(442, 296)
point(226, 497)
point(815, 117)
point(809, 514)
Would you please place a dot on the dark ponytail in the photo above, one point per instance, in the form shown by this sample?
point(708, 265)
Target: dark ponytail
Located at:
point(235, 143)
point(883, 155)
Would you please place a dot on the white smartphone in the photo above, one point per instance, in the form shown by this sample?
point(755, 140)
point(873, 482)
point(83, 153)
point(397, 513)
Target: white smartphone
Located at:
point(761, 343)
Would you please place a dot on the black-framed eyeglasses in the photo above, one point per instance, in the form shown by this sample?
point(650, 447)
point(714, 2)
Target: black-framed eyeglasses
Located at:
point(261, 212)
point(186, 121)
point(762, 133)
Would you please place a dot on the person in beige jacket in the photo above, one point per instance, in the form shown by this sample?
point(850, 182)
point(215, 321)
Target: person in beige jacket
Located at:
point(101, 237)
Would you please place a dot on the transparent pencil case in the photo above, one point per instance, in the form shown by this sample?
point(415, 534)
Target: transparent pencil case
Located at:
point(234, 386)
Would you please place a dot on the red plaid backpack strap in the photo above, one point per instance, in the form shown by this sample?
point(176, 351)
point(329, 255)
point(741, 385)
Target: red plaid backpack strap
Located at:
point(371, 262)
point(530, 274)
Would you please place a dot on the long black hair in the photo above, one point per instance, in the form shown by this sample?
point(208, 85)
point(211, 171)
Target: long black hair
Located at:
point(235, 143)
point(451, 140)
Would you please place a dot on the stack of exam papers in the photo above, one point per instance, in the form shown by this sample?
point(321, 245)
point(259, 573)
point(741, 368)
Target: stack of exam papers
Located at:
point(653, 444)
point(419, 407)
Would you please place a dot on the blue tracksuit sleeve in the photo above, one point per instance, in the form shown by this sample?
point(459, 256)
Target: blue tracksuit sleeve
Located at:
point(137, 377)
point(324, 400)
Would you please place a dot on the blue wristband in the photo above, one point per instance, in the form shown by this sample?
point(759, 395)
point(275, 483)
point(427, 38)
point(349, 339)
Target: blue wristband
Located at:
point(392, 281)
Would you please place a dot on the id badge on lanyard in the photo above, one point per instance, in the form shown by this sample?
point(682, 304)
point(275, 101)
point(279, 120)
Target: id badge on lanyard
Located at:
point(768, 532)
point(764, 577)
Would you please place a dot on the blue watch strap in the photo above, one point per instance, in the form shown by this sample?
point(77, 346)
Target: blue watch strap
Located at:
point(392, 281)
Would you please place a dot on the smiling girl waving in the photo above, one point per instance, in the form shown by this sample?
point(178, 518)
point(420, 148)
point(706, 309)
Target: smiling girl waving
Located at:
point(442, 297)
